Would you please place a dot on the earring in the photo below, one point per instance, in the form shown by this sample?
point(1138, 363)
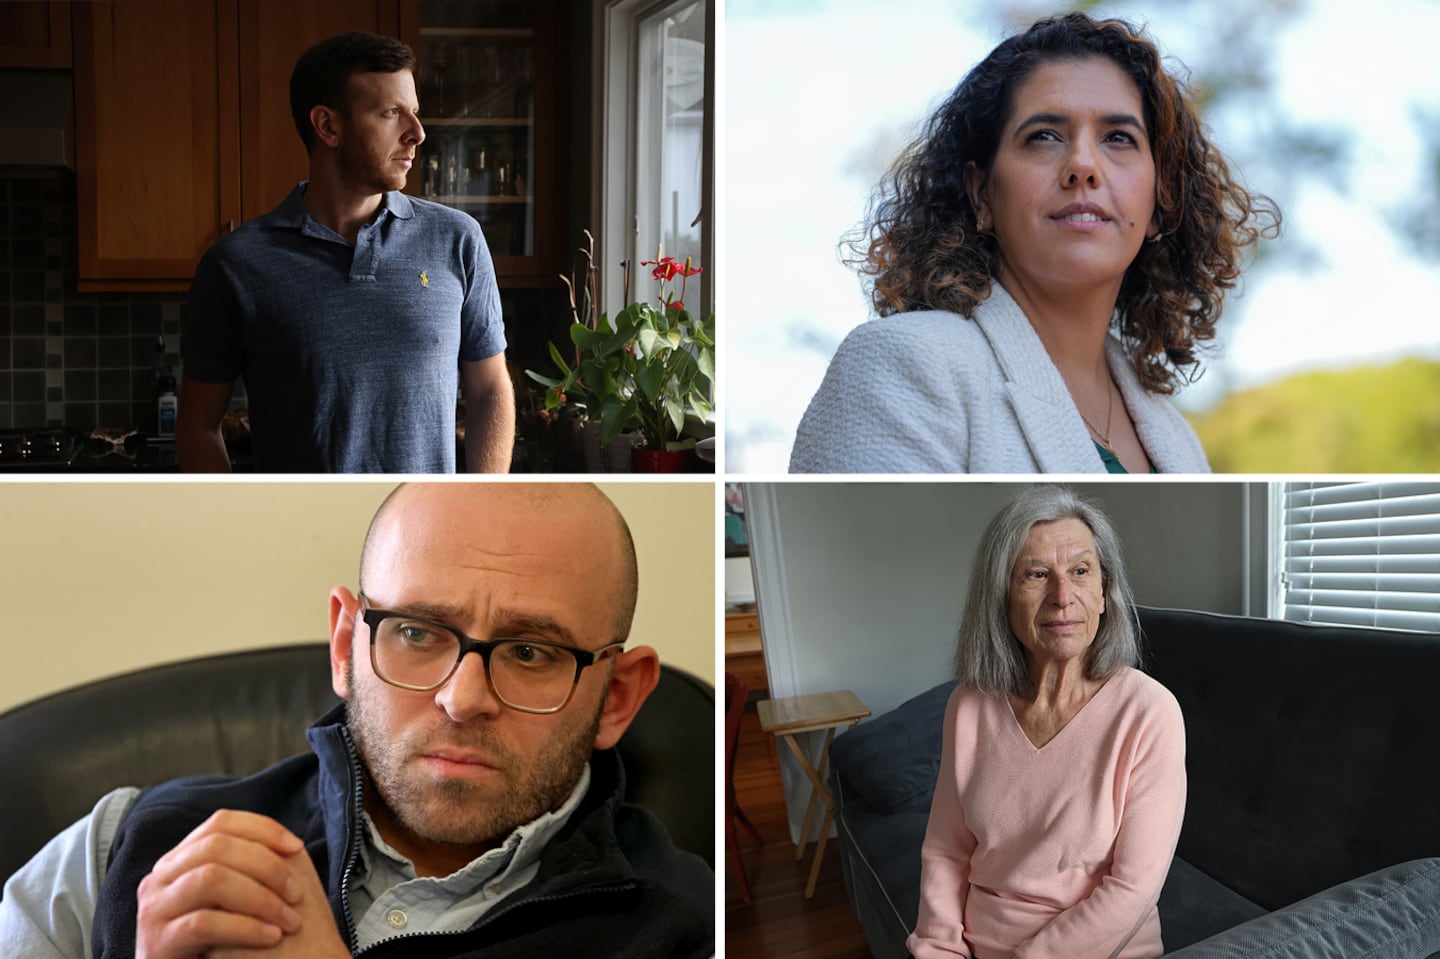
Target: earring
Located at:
point(980, 224)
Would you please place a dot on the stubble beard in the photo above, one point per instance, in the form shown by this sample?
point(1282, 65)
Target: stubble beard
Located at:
point(368, 172)
point(458, 811)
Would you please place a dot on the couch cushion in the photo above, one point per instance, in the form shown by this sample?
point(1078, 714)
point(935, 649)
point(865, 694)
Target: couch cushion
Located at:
point(892, 761)
point(882, 865)
point(1194, 906)
point(1389, 914)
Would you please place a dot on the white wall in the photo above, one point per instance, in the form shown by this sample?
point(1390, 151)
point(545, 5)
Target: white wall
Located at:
point(102, 578)
point(739, 582)
point(871, 577)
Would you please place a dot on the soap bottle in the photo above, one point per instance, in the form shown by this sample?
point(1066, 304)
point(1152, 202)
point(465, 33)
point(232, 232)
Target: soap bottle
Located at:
point(167, 406)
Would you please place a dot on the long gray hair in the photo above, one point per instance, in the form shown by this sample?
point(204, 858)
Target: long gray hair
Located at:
point(988, 656)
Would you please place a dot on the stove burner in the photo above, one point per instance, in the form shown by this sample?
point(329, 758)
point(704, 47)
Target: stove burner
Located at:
point(35, 447)
point(103, 441)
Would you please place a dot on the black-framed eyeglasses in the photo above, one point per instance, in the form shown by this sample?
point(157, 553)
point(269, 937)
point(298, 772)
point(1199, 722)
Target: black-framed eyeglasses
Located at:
point(531, 675)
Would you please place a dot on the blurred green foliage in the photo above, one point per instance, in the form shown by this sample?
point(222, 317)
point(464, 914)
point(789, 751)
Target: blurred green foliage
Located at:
point(1369, 419)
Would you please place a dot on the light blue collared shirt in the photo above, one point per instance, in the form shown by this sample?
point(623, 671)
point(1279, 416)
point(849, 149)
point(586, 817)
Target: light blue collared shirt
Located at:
point(48, 906)
point(388, 899)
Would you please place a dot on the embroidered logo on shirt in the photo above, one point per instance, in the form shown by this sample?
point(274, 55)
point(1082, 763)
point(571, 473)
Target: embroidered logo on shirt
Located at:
point(424, 279)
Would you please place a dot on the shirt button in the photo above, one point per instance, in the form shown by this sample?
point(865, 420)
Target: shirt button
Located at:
point(396, 918)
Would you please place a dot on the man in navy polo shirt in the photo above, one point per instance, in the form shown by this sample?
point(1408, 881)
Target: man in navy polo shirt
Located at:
point(352, 311)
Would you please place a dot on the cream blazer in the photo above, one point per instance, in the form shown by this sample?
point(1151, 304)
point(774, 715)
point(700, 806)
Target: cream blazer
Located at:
point(933, 392)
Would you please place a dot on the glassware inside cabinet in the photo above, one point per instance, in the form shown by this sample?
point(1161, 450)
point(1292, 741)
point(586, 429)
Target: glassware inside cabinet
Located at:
point(477, 103)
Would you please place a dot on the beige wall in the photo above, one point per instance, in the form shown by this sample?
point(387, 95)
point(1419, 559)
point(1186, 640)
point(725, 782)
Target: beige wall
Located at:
point(102, 578)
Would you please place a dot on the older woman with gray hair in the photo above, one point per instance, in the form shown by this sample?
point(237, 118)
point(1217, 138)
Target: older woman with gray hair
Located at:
point(1062, 775)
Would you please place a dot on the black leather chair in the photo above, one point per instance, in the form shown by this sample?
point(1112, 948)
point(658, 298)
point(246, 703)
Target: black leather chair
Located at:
point(237, 713)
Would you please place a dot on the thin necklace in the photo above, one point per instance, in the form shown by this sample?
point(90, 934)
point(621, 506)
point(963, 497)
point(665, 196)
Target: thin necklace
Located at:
point(1109, 409)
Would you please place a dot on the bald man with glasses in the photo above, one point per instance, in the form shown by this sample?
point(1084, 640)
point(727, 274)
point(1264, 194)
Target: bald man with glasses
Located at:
point(455, 805)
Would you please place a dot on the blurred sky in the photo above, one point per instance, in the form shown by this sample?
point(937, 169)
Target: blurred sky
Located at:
point(821, 94)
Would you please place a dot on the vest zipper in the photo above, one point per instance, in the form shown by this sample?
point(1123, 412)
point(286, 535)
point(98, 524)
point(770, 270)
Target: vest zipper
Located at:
point(352, 855)
point(352, 850)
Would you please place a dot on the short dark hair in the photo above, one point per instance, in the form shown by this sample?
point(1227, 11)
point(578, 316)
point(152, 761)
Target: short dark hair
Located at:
point(923, 250)
point(322, 73)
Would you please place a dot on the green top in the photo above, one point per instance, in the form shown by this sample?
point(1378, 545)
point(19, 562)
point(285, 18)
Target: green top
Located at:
point(1112, 462)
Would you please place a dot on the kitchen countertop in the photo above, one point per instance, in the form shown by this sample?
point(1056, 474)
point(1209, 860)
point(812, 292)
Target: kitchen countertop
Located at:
point(137, 457)
point(85, 453)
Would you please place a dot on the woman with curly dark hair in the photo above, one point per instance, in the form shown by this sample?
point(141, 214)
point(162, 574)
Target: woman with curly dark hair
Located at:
point(1045, 261)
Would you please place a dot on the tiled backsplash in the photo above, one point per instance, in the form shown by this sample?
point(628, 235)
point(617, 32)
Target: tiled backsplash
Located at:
point(71, 359)
point(82, 360)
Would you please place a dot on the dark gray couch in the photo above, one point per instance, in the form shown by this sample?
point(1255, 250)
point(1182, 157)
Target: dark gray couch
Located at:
point(1313, 758)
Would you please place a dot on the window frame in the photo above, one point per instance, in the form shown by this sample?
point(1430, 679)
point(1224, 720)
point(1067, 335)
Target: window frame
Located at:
point(615, 181)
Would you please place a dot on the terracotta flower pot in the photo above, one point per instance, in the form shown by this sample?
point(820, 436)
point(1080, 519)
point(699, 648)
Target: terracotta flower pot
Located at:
point(643, 460)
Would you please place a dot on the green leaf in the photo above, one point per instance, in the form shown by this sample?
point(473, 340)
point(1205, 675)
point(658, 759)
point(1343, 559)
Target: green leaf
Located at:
point(582, 336)
point(612, 419)
point(649, 341)
point(627, 320)
point(704, 333)
point(605, 384)
point(543, 380)
point(677, 414)
point(557, 359)
point(598, 344)
point(650, 378)
point(614, 345)
point(705, 359)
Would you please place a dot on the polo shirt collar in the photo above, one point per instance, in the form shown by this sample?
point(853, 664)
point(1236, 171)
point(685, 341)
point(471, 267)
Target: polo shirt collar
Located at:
point(398, 204)
point(292, 212)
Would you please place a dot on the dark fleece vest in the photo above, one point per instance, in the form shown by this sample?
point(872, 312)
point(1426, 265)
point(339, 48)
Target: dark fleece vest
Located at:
point(610, 883)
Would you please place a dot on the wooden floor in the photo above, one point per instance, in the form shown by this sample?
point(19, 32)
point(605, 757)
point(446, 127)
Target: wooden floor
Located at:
point(780, 921)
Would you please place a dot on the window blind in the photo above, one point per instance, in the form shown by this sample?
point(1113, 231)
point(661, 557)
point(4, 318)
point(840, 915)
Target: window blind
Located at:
point(1362, 554)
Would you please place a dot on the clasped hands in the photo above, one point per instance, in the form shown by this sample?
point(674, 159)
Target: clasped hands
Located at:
point(239, 885)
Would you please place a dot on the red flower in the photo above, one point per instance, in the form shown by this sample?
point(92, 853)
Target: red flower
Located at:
point(676, 305)
point(629, 347)
point(667, 269)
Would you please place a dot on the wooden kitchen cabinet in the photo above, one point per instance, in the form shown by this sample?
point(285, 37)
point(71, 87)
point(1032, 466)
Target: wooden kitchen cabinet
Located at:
point(744, 650)
point(35, 34)
point(156, 136)
point(272, 37)
point(183, 127)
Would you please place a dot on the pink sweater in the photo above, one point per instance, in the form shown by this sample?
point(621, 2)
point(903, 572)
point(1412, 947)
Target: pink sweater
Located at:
point(1059, 851)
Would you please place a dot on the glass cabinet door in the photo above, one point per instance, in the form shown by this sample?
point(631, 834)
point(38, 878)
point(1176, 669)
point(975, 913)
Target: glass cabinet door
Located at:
point(477, 103)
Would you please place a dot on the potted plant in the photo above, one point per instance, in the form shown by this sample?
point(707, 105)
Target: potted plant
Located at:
point(645, 370)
